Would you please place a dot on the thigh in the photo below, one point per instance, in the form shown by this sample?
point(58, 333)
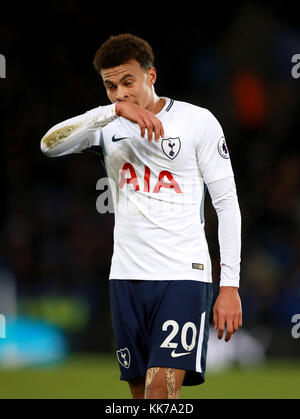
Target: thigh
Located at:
point(137, 387)
point(180, 327)
point(163, 383)
point(129, 329)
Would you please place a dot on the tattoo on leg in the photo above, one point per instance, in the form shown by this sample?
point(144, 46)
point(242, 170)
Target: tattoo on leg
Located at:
point(171, 383)
point(151, 373)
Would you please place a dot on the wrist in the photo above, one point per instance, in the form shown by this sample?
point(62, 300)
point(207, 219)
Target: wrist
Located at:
point(118, 108)
point(228, 289)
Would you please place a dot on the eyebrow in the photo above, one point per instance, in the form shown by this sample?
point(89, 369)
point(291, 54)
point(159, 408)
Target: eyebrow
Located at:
point(122, 79)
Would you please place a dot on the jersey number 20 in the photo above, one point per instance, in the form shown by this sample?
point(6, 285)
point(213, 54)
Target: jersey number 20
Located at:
point(188, 346)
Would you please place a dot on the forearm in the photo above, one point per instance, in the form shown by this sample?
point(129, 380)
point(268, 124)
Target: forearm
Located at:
point(225, 202)
point(78, 133)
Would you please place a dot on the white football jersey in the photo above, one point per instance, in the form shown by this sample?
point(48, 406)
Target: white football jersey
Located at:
point(158, 190)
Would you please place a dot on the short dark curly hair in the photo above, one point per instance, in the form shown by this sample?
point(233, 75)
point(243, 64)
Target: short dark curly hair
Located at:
point(119, 49)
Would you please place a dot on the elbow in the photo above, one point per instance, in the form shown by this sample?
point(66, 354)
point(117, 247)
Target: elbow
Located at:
point(57, 140)
point(51, 141)
point(48, 151)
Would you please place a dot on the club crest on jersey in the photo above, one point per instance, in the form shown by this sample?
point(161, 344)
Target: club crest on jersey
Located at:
point(123, 356)
point(222, 148)
point(171, 147)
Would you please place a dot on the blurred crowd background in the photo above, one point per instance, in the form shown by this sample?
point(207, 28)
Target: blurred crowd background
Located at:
point(235, 60)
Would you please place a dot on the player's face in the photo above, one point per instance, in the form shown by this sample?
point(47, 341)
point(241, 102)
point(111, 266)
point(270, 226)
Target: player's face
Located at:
point(129, 82)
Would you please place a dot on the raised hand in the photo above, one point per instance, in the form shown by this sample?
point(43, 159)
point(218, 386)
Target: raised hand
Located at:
point(145, 119)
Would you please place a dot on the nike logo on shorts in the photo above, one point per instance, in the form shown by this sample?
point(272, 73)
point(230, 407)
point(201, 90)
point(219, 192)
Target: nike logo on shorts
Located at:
point(176, 355)
point(114, 139)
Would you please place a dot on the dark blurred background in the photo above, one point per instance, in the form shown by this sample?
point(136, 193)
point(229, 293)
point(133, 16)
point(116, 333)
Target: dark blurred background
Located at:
point(235, 60)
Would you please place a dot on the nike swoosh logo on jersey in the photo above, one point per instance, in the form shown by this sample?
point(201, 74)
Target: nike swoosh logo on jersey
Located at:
point(176, 355)
point(114, 139)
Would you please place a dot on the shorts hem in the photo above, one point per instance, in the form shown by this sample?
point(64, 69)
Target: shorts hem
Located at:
point(192, 377)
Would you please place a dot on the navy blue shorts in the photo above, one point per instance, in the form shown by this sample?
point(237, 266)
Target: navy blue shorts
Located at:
point(161, 324)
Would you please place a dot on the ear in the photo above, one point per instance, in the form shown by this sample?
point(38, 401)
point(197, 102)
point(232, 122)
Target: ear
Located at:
point(152, 75)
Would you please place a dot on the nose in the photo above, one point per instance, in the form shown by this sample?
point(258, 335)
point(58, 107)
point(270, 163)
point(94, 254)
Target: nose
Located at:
point(122, 94)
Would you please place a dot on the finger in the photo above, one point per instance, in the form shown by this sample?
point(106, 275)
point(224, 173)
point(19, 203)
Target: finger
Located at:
point(235, 324)
point(157, 127)
point(162, 132)
point(215, 318)
point(220, 332)
point(149, 126)
point(157, 132)
point(240, 319)
point(229, 329)
point(221, 326)
point(142, 127)
point(228, 336)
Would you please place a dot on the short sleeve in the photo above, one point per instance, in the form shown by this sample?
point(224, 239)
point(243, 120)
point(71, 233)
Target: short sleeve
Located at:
point(212, 151)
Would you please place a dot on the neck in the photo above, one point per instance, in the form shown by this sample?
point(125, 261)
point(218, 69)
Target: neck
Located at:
point(156, 104)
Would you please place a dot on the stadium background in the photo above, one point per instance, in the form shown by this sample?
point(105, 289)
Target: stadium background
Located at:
point(55, 248)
